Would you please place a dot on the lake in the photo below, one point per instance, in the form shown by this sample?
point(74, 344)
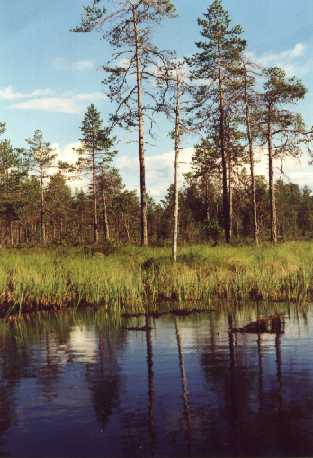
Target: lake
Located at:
point(80, 384)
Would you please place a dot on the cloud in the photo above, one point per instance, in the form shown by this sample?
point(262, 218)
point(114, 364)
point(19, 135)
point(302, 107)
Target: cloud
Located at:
point(89, 96)
point(10, 94)
point(291, 169)
point(295, 60)
point(160, 170)
point(48, 100)
point(68, 154)
point(82, 65)
point(51, 104)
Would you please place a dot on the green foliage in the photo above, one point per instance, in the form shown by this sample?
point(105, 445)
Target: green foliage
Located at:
point(41, 154)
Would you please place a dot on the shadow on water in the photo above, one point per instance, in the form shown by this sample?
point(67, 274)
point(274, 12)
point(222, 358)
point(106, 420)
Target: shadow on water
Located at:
point(184, 386)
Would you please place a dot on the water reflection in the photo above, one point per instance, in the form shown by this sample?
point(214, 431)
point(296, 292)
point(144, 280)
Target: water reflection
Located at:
point(80, 384)
point(184, 383)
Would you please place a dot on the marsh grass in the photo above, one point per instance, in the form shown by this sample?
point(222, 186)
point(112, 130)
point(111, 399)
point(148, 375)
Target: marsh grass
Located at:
point(135, 279)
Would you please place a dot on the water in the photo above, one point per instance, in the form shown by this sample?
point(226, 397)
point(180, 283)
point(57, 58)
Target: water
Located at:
point(82, 385)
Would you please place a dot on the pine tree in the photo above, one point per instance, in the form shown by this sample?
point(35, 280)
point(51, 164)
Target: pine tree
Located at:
point(110, 186)
point(41, 158)
point(215, 67)
point(58, 207)
point(173, 80)
point(249, 99)
point(128, 31)
point(96, 147)
point(12, 173)
point(282, 129)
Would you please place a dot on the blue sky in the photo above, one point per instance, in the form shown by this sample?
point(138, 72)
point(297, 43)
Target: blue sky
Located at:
point(48, 75)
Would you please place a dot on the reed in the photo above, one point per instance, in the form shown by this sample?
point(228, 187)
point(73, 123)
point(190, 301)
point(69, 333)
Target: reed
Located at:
point(133, 278)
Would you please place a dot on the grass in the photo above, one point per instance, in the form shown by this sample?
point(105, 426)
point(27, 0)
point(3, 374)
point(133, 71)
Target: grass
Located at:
point(134, 278)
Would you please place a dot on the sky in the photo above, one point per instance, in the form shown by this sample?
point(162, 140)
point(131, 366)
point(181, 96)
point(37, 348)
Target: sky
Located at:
point(49, 75)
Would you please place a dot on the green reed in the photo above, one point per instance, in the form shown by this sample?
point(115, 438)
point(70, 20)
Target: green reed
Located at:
point(134, 278)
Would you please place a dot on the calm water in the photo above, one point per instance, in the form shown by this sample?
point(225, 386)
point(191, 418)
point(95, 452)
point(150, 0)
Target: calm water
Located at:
point(82, 385)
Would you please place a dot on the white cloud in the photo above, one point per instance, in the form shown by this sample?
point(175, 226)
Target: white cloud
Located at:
point(51, 104)
point(295, 60)
point(82, 65)
point(291, 169)
point(68, 154)
point(10, 94)
point(160, 170)
point(89, 96)
point(48, 100)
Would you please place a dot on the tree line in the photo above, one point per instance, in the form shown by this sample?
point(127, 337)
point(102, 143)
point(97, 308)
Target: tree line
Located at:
point(218, 95)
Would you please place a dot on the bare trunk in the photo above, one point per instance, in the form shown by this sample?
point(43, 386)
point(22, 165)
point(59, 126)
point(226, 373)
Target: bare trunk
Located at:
point(271, 182)
point(106, 229)
point(42, 225)
point(207, 201)
point(224, 161)
point(94, 196)
point(177, 148)
point(126, 226)
point(19, 234)
point(11, 232)
point(252, 164)
point(143, 191)
point(230, 197)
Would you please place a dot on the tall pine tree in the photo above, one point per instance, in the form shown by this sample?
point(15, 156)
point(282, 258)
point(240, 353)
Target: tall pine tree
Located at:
point(215, 67)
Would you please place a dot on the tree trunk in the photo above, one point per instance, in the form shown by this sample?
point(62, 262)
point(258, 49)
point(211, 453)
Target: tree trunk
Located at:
point(177, 149)
point(271, 181)
point(94, 196)
point(106, 229)
point(143, 191)
point(252, 163)
point(207, 201)
point(19, 234)
point(42, 225)
point(224, 161)
point(230, 197)
point(126, 226)
point(11, 233)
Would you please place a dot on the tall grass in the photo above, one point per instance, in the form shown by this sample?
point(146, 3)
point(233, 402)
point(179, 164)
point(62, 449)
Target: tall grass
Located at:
point(135, 278)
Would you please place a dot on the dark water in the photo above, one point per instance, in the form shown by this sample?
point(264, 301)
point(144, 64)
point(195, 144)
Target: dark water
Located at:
point(81, 385)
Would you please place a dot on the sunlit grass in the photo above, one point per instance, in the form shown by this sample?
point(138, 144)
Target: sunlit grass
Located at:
point(135, 278)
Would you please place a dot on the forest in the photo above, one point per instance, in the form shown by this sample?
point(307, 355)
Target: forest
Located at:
point(235, 110)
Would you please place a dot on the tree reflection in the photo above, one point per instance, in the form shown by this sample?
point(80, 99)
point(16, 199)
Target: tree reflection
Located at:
point(184, 383)
point(103, 375)
point(151, 388)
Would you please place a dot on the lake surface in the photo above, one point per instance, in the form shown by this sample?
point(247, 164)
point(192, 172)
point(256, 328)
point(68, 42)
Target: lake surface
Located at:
point(82, 385)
